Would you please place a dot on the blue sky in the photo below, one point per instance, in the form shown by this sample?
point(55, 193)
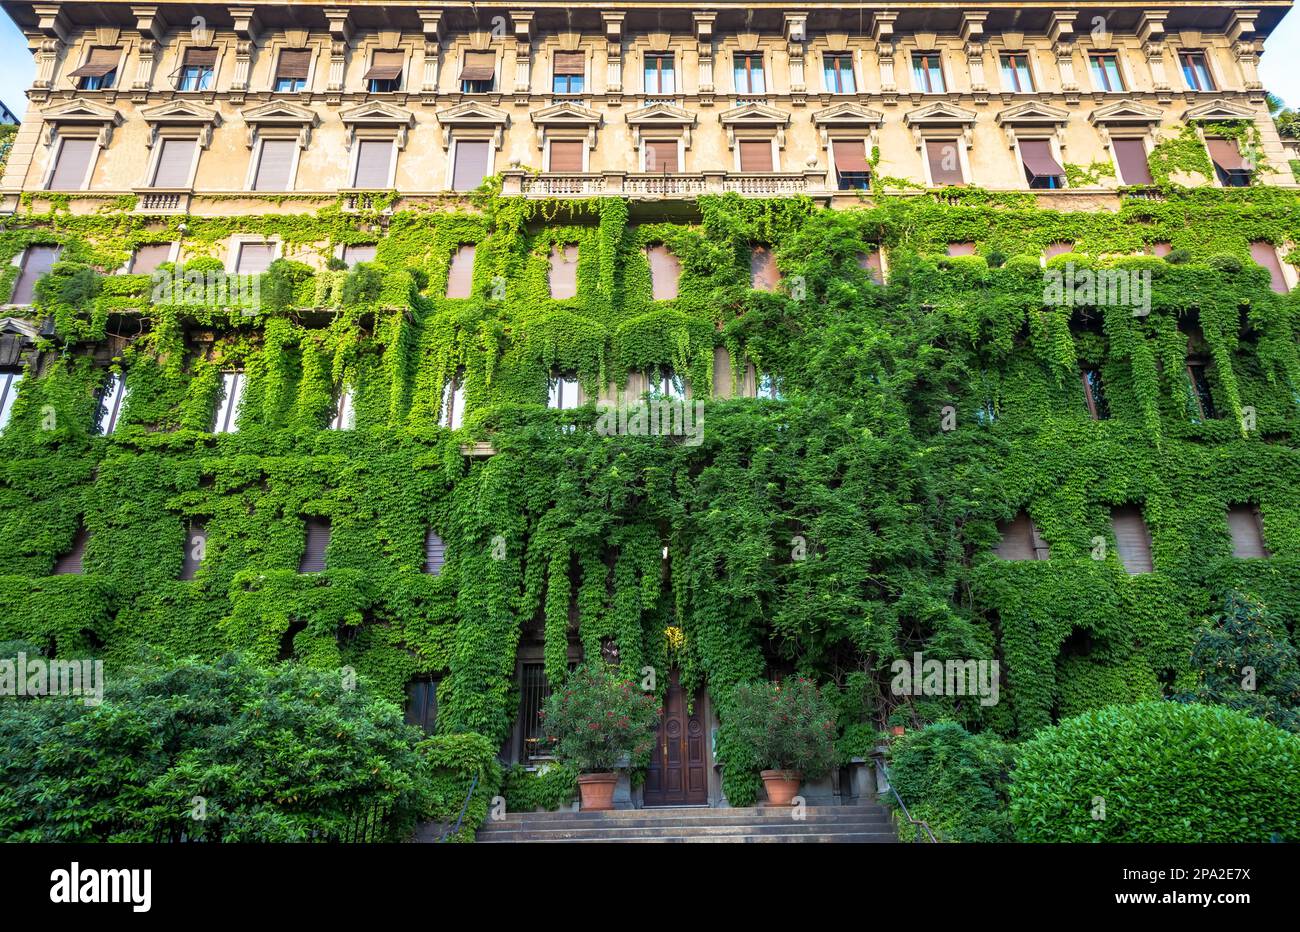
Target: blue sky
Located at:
point(1281, 73)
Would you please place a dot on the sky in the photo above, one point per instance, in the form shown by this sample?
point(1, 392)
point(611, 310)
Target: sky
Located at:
point(1279, 69)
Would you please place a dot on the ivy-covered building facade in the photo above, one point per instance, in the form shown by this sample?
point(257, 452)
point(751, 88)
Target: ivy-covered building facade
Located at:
point(329, 338)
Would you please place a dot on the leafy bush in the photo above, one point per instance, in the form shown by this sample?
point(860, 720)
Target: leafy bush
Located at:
point(71, 283)
point(1225, 262)
point(549, 788)
point(280, 284)
point(955, 781)
point(363, 285)
point(1179, 256)
point(1158, 772)
point(455, 760)
point(786, 726)
point(597, 719)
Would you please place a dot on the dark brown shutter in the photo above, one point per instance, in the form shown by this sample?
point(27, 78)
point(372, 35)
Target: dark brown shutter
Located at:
point(359, 252)
point(665, 270)
point(1132, 157)
point(961, 249)
point(763, 273)
point(755, 155)
point(460, 276)
point(1247, 532)
point(174, 161)
point(1020, 540)
point(100, 63)
point(1226, 155)
point(73, 161)
point(374, 156)
point(1161, 249)
point(1038, 158)
point(479, 66)
point(566, 155)
point(148, 257)
point(435, 552)
point(850, 155)
point(70, 563)
point(294, 64)
point(564, 271)
point(1131, 538)
point(1057, 249)
point(422, 704)
point(318, 539)
point(201, 58)
point(196, 542)
point(471, 164)
point(870, 262)
point(1262, 251)
point(275, 165)
point(37, 261)
point(254, 258)
point(386, 66)
point(661, 156)
point(939, 152)
point(569, 63)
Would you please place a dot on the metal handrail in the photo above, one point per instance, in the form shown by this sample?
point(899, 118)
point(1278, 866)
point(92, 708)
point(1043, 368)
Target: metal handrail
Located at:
point(463, 808)
point(917, 823)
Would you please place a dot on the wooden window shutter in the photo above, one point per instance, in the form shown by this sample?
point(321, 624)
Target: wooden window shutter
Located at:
point(569, 63)
point(961, 249)
point(374, 156)
point(566, 155)
point(1247, 532)
point(763, 273)
point(564, 271)
point(479, 66)
point(850, 155)
point(72, 165)
point(1020, 540)
point(471, 164)
point(1132, 157)
point(100, 63)
point(870, 262)
point(146, 258)
point(945, 161)
point(665, 270)
point(294, 64)
point(755, 155)
point(1038, 158)
point(196, 544)
point(1227, 155)
point(359, 252)
point(70, 563)
point(422, 704)
point(386, 65)
point(318, 539)
point(460, 276)
point(254, 258)
point(275, 165)
point(1262, 251)
point(721, 372)
point(1131, 539)
point(435, 552)
point(200, 58)
point(37, 261)
point(175, 159)
point(661, 156)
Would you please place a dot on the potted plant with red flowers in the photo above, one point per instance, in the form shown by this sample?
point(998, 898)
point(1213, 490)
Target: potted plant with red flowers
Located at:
point(596, 720)
point(790, 728)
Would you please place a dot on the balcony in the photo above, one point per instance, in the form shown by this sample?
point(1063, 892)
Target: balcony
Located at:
point(162, 200)
point(651, 185)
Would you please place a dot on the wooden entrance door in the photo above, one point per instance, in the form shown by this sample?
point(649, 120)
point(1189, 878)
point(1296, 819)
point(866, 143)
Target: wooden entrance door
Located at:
point(678, 774)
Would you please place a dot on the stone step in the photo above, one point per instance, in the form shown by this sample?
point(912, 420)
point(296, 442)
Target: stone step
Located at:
point(664, 814)
point(792, 837)
point(642, 831)
point(515, 824)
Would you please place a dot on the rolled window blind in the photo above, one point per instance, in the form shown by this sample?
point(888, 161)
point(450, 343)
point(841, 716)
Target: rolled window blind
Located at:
point(1131, 539)
point(101, 62)
point(566, 155)
point(1132, 157)
point(374, 156)
point(70, 562)
point(471, 164)
point(1247, 535)
point(37, 260)
point(434, 552)
point(72, 164)
point(275, 165)
point(318, 539)
point(945, 161)
point(174, 161)
point(479, 66)
point(148, 257)
point(569, 63)
point(460, 276)
point(661, 156)
point(1263, 252)
point(564, 271)
point(665, 271)
point(763, 273)
point(293, 64)
point(196, 543)
point(755, 155)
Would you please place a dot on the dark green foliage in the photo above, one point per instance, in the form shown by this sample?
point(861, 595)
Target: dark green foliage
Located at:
point(71, 283)
point(363, 285)
point(282, 284)
point(954, 781)
point(457, 764)
point(598, 720)
point(784, 726)
point(551, 788)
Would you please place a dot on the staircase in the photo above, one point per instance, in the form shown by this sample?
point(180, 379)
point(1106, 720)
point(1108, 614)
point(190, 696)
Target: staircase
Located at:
point(841, 824)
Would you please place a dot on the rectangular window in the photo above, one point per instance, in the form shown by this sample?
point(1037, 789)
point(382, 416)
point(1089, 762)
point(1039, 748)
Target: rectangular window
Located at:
point(837, 73)
point(460, 275)
point(175, 165)
point(1246, 526)
point(146, 258)
point(99, 73)
point(1199, 382)
point(291, 71)
point(927, 73)
point(1195, 71)
point(534, 690)
point(944, 159)
point(961, 249)
point(563, 275)
point(197, 70)
point(111, 398)
point(1041, 168)
point(37, 262)
point(345, 416)
point(1131, 154)
point(452, 414)
point(1132, 541)
point(435, 552)
point(1059, 248)
point(355, 253)
point(1229, 166)
point(9, 381)
point(471, 164)
point(566, 155)
point(1093, 395)
point(317, 542)
point(275, 165)
point(374, 164)
point(661, 155)
point(385, 74)
point(1016, 78)
point(1105, 72)
point(72, 165)
point(69, 563)
point(1264, 253)
point(852, 171)
point(422, 704)
point(755, 155)
point(763, 273)
point(659, 76)
point(563, 393)
point(747, 71)
point(666, 384)
point(478, 72)
point(254, 258)
point(568, 76)
point(665, 271)
point(226, 420)
point(870, 263)
point(196, 546)
point(1020, 540)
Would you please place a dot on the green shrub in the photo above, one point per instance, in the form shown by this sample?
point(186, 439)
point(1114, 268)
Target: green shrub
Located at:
point(455, 761)
point(549, 788)
point(597, 719)
point(785, 726)
point(955, 781)
point(1158, 772)
point(363, 285)
point(281, 284)
point(1225, 262)
point(70, 283)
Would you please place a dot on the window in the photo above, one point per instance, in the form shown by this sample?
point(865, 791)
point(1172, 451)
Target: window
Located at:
point(1059, 248)
point(196, 546)
point(568, 76)
point(460, 276)
point(755, 155)
point(435, 552)
point(666, 385)
point(37, 261)
point(1041, 168)
point(422, 704)
point(661, 155)
point(1105, 72)
point(1160, 249)
point(374, 167)
point(563, 393)
point(770, 386)
point(927, 73)
point(72, 164)
point(944, 158)
point(852, 172)
point(254, 258)
point(961, 249)
point(1246, 526)
point(9, 380)
point(317, 542)
point(291, 71)
point(563, 273)
point(659, 76)
point(453, 402)
point(146, 258)
point(665, 271)
point(111, 398)
point(534, 690)
point(1131, 539)
point(1020, 540)
point(345, 416)
point(471, 165)
point(837, 73)
point(69, 563)
point(763, 273)
point(870, 263)
point(747, 69)
point(354, 253)
point(1016, 78)
point(1262, 251)
point(1195, 71)
point(1229, 166)
point(1199, 383)
point(566, 155)
point(174, 167)
point(385, 74)
point(1131, 154)
point(232, 393)
point(478, 72)
point(99, 73)
point(197, 70)
point(275, 164)
point(1093, 395)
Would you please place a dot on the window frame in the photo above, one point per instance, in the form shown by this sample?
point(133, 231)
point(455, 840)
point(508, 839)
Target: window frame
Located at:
point(928, 73)
point(255, 164)
point(111, 398)
point(1028, 69)
point(91, 162)
point(749, 72)
point(1094, 393)
point(180, 75)
point(455, 155)
point(306, 82)
point(355, 162)
point(155, 160)
point(1144, 139)
point(229, 402)
point(659, 74)
point(839, 72)
point(398, 83)
point(10, 380)
point(451, 408)
point(1212, 85)
point(1098, 56)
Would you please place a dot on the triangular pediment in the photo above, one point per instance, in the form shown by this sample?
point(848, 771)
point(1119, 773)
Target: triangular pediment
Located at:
point(661, 115)
point(848, 114)
point(754, 115)
point(1032, 112)
point(380, 113)
point(939, 112)
point(181, 111)
point(81, 111)
point(1125, 111)
point(472, 113)
point(280, 111)
point(566, 114)
point(1218, 109)
point(16, 325)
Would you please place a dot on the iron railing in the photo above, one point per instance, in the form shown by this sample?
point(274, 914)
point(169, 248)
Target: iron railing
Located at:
point(464, 807)
point(917, 824)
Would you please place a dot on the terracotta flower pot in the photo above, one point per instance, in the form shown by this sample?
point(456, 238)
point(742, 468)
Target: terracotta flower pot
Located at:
point(897, 730)
point(781, 785)
point(597, 791)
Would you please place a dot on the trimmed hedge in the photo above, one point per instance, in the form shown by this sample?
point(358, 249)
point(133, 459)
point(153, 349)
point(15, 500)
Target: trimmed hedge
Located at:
point(955, 781)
